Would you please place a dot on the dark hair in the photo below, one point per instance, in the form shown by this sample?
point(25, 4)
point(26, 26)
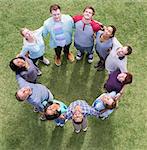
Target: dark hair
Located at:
point(18, 98)
point(128, 78)
point(129, 49)
point(114, 30)
point(54, 7)
point(90, 7)
point(54, 116)
point(15, 67)
point(113, 105)
point(77, 122)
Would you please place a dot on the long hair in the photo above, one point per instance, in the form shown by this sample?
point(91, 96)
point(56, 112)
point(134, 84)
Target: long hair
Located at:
point(16, 68)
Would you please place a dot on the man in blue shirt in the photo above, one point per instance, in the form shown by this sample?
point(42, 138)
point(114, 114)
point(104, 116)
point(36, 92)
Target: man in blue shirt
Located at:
point(34, 94)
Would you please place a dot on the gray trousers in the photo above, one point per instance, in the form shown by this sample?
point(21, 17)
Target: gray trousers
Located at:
point(83, 125)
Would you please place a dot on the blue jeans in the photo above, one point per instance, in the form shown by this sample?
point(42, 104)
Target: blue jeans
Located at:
point(89, 50)
point(61, 121)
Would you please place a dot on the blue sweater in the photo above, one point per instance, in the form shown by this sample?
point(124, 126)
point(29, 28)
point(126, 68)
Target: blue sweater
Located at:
point(39, 93)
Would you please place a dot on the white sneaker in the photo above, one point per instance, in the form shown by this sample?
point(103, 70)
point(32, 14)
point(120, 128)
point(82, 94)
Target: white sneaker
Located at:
point(39, 73)
point(85, 129)
point(61, 125)
point(35, 110)
point(57, 124)
point(77, 131)
point(46, 61)
point(42, 117)
point(79, 55)
point(90, 58)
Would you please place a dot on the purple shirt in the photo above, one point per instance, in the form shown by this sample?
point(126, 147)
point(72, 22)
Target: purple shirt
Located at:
point(112, 84)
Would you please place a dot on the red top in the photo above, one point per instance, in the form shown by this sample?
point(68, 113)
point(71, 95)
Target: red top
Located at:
point(95, 25)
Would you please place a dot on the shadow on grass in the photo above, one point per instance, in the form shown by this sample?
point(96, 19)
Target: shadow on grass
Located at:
point(79, 79)
point(24, 130)
point(96, 88)
point(56, 139)
point(101, 134)
point(57, 82)
point(76, 141)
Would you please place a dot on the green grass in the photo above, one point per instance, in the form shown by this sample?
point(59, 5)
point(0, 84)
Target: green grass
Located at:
point(126, 129)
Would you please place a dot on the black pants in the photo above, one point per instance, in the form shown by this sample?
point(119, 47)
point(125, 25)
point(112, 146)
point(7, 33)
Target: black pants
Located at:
point(35, 60)
point(58, 50)
point(101, 61)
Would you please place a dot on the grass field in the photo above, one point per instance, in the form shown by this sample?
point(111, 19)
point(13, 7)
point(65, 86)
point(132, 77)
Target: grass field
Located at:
point(126, 129)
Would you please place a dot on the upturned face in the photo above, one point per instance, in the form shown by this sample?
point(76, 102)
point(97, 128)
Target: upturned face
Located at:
point(107, 100)
point(87, 14)
point(56, 14)
point(24, 93)
point(77, 115)
point(51, 109)
point(108, 31)
point(19, 62)
point(121, 77)
point(27, 33)
point(122, 51)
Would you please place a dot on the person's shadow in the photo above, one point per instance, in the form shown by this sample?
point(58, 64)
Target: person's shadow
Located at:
point(56, 139)
point(78, 85)
point(24, 129)
point(102, 134)
point(76, 141)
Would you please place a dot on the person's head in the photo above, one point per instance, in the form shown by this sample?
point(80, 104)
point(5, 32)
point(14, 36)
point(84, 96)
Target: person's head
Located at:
point(51, 111)
point(23, 93)
point(108, 101)
point(55, 11)
point(26, 33)
point(109, 31)
point(125, 77)
point(18, 64)
point(88, 12)
point(77, 116)
point(123, 51)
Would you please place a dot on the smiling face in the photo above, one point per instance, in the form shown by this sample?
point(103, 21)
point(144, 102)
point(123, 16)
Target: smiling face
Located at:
point(108, 31)
point(56, 14)
point(122, 51)
point(19, 62)
point(121, 77)
point(77, 115)
point(51, 110)
point(24, 93)
point(87, 14)
point(27, 33)
point(107, 100)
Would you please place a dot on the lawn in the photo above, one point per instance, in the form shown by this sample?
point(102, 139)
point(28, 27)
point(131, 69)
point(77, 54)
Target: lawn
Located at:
point(126, 129)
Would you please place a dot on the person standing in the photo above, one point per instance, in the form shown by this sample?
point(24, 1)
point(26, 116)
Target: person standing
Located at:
point(33, 45)
point(59, 26)
point(104, 44)
point(85, 27)
point(117, 59)
point(78, 112)
point(34, 94)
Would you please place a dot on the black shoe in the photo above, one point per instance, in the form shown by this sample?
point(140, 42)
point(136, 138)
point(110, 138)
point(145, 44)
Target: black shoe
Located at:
point(100, 68)
point(98, 64)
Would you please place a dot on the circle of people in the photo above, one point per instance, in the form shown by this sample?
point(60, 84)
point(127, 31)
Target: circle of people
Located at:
point(112, 57)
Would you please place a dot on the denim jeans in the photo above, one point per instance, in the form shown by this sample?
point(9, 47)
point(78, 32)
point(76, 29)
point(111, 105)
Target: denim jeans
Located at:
point(58, 120)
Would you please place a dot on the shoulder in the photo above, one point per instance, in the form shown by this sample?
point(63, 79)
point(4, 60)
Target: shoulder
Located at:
point(48, 21)
point(95, 26)
point(77, 18)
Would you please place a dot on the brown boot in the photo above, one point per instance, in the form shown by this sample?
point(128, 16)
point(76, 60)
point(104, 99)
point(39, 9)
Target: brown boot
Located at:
point(70, 57)
point(57, 61)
